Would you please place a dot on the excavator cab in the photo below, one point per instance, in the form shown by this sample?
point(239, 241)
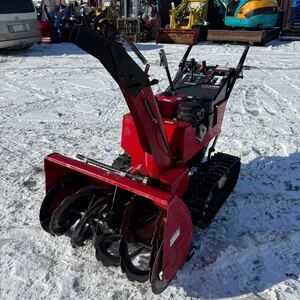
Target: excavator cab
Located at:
point(232, 7)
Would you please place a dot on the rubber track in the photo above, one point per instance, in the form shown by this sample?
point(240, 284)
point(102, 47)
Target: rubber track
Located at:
point(204, 183)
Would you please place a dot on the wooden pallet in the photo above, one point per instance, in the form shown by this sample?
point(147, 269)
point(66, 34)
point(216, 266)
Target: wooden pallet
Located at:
point(243, 36)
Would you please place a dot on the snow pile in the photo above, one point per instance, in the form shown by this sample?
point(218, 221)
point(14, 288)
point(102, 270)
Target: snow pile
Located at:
point(56, 98)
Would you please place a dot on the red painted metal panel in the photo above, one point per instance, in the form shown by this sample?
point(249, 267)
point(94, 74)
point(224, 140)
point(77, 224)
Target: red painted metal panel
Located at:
point(130, 141)
point(168, 104)
point(58, 166)
point(181, 137)
point(219, 115)
point(177, 238)
point(149, 127)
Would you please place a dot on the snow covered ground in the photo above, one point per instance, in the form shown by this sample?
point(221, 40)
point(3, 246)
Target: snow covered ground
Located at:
point(57, 98)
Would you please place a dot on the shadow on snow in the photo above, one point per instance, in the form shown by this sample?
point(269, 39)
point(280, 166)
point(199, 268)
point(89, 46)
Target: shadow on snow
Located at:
point(253, 243)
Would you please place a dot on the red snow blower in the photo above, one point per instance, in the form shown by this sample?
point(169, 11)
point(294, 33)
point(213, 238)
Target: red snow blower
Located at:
point(139, 212)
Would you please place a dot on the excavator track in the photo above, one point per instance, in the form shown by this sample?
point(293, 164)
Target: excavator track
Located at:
point(209, 187)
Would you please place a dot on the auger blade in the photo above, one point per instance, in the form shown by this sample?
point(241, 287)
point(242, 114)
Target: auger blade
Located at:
point(56, 193)
point(158, 284)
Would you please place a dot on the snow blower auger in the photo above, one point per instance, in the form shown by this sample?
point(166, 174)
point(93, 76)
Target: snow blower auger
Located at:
point(139, 212)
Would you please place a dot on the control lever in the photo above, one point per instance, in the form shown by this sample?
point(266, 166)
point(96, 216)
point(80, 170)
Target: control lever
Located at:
point(239, 67)
point(137, 52)
point(164, 63)
point(203, 68)
point(193, 66)
point(184, 58)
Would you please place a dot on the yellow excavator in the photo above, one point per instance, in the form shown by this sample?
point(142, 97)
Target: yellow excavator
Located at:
point(186, 22)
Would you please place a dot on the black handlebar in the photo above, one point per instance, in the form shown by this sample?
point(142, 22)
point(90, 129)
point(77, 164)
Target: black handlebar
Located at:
point(239, 68)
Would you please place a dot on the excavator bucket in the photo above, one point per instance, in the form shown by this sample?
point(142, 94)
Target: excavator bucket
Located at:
point(178, 36)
